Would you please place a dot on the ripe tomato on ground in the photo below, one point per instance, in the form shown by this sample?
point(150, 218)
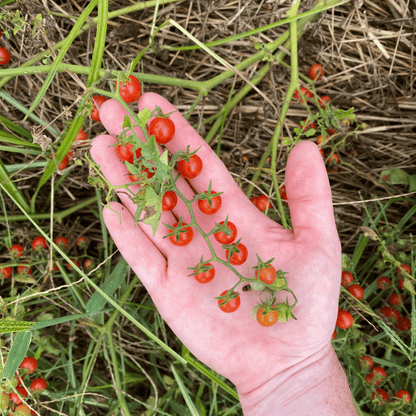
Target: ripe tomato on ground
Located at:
point(223, 238)
point(30, 364)
point(192, 168)
point(283, 194)
point(131, 90)
point(163, 129)
point(240, 257)
point(308, 94)
point(125, 152)
point(230, 306)
point(80, 138)
point(267, 274)
point(38, 384)
point(184, 238)
point(205, 277)
point(4, 56)
point(98, 101)
point(316, 71)
point(383, 282)
point(346, 278)
point(267, 319)
point(344, 319)
point(204, 207)
point(357, 291)
point(169, 201)
point(39, 243)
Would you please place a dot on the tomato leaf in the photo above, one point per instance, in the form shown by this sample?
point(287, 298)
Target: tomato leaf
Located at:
point(17, 353)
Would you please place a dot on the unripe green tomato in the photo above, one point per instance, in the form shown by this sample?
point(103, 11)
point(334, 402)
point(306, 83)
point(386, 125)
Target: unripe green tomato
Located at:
point(279, 282)
point(401, 257)
point(359, 349)
point(4, 401)
point(257, 286)
point(400, 242)
point(354, 333)
point(284, 312)
point(380, 264)
point(99, 273)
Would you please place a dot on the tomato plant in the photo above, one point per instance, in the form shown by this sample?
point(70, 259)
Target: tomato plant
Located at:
point(192, 168)
point(30, 364)
point(125, 152)
point(267, 318)
point(316, 71)
point(4, 56)
point(98, 101)
point(357, 291)
point(239, 256)
point(231, 306)
point(163, 129)
point(344, 319)
point(267, 274)
point(204, 204)
point(130, 91)
point(169, 201)
point(184, 237)
point(38, 384)
point(223, 238)
point(207, 276)
point(39, 243)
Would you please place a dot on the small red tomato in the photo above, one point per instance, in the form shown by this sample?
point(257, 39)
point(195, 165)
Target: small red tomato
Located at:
point(163, 129)
point(192, 168)
point(240, 257)
point(366, 362)
point(82, 242)
point(24, 269)
point(379, 373)
point(306, 125)
point(16, 250)
point(381, 393)
point(267, 319)
point(204, 207)
point(323, 100)
point(23, 392)
point(149, 174)
point(316, 71)
point(283, 194)
point(403, 394)
point(383, 282)
point(64, 163)
point(131, 90)
point(305, 92)
point(230, 306)
point(23, 410)
point(98, 101)
point(15, 397)
point(30, 364)
point(346, 278)
point(357, 291)
point(403, 323)
point(169, 201)
point(125, 152)
point(267, 274)
point(334, 334)
point(401, 283)
point(394, 299)
point(4, 56)
point(334, 158)
point(38, 384)
point(405, 267)
point(319, 139)
point(184, 238)
point(390, 313)
point(62, 242)
point(5, 272)
point(330, 131)
point(39, 243)
point(80, 138)
point(223, 238)
point(75, 261)
point(206, 277)
point(262, 202)
point(89, 264)
point(344, 319)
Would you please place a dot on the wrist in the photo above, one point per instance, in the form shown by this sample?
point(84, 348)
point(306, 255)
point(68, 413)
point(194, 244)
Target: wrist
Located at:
point(315, 386)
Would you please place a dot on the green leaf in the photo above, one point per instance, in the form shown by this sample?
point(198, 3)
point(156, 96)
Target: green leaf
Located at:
point(395, 176)
point(110, 285)
point(412, 183)
point(152, 209)
point(8, 325)
point(17, 353)
point(144, 116)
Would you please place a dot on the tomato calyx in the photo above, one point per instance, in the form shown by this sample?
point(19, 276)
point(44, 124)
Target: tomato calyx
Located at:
point(204, 272)
point(181, 155)
point(158, 112)
point(177, 229)
point(229, 301)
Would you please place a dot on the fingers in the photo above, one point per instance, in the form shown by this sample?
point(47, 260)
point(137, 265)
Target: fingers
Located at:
point(309, 194)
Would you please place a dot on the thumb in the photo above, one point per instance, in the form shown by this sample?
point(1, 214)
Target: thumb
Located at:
point(309, 194)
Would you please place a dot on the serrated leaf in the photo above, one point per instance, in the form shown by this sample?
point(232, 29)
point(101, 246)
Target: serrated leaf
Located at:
point(150, 150)
point(143, 116)
point(287, 141)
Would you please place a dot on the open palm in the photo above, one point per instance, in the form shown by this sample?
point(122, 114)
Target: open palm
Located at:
point(233, 344)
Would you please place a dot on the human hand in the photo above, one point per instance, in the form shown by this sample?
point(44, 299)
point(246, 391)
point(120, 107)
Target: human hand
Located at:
point(233, 344)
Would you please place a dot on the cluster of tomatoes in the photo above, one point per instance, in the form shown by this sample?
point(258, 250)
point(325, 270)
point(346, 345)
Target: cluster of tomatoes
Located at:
point(39, 246)
point(13, 402)
point(4, 54)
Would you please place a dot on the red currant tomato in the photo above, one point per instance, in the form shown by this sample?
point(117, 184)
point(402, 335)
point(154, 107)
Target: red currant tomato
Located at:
point(382, 393)
point(267, 319)
point(223, 238)
point(81, 242)
point(383, 282)
point(331, 131)
point(39, 243)
point(344, 319)
point(323, 100)
point(379, 373)
point(24, 269)
point(305, 92)
point(146, 171)
point(62, 242)
point(230, 306)
point(389, 312)
point(262, 202)
point(23, 392)
point(17, 250)
point(334, 158)
point(238, 257)
point(366, 362)
point(334, 334)
point(64, 163)
point(346, 278)
point(5, 272)
point(75, 261)
point(403, 394)
point(204, 207)
point(89, 264)
point(206, 277)
point(405, 267)
point(394, 299)
point(192, 168)
point(131, 90)
point(30, 364)
point(98, 101)
point(38, 384)
point(316, 71)
point(184, 238)
point(15, 397)
point(283, 194)
point(4, 56)
point(81, 138)
point(163, 129)
point(403, 323)
point(169, 201)
point(125, 152)
point(357, 291)
point(267, 274)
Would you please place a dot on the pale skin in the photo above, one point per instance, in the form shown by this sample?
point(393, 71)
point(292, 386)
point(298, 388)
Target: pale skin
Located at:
point(258, 360)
